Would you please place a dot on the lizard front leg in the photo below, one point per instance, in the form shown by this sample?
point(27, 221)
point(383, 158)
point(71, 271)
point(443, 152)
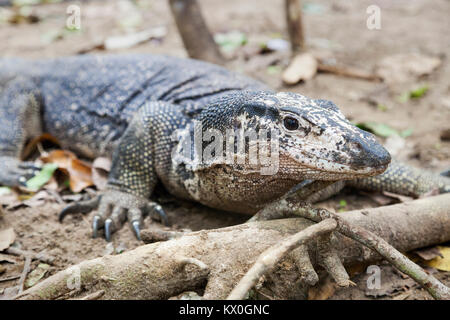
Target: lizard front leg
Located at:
point(20, 119)
point(131, 180)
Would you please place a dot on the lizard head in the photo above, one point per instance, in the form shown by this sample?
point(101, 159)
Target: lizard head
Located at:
point(316, 141)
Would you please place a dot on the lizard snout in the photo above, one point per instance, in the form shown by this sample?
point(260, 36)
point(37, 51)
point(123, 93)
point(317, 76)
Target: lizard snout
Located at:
point(367, 154)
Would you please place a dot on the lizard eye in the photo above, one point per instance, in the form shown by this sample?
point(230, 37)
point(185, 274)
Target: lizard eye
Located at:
point(291, 123)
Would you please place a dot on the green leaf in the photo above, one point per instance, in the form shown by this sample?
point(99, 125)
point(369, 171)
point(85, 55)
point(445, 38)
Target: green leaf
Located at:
point(42, 177)
point(36, 275)
point(404, 97)
point(382, 107)
point(5, 190)
point(342, 203)
point(380, 129)
point(419, 92)
point(230, 41)
point(272, 70)
point(406, 133)
point(413, 94)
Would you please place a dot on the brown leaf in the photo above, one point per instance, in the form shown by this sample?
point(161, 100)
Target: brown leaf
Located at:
point(100, 170)
point(429, 253)
point(302, 67)
point(323, 291)
point(8, 258)
point(79, 172)
point(31, 146)
point(403, 67)
point(7, 237)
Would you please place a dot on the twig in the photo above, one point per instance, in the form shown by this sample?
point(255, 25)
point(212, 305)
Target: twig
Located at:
point(227, 252)
point(347, 72)
point(376, 243)
point(94, 296)
point(23, 276)
point(35, 256)
point(10, 278)
point(268, 259)
point(293, 11)
point(437, 289)
point(196, 37)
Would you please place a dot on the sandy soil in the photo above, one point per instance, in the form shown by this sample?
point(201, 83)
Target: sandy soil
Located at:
point(334, 29)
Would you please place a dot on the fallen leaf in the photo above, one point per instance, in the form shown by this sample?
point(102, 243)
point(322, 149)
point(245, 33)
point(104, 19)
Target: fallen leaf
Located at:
point(38, 199)
point(441, 263)
point(418, 93)
point(277, 45)
point(133, 39)
point(7, 237)
point(302, 67)
point(36, 275)
point(231, 40)
point(79, 172)
point(428, 253)
point(8, 258)
point(403, 67)
point(5, 190)
point(323, 291)
point(42, 177)
point(100, 170)
point(380, 129)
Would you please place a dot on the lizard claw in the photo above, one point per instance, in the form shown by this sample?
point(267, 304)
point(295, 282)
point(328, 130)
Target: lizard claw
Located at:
point(114, 207)
point(108, 226)
point(95, 226)
point(79, 207)
point(156, 208)
point(136, 228)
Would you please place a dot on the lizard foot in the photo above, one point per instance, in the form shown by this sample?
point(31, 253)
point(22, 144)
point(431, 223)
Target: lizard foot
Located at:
point(16, 173)
point(114, 208)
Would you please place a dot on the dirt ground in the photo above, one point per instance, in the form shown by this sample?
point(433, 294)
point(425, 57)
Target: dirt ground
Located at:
point(335, 30)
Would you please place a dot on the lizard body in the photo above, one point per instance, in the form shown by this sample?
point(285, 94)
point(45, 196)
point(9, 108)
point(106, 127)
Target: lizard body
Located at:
point(144, 111)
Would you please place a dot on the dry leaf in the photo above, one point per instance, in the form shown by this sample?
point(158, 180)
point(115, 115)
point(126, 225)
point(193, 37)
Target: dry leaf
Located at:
point(133, 39)
point(100, 170)
point(8, 258)
point(441, 263)
point(7, 237)
point(302, 67)
point(36, 275)
point(404, 67)
point(79, 172)
point(322, 291)
point(428, 253)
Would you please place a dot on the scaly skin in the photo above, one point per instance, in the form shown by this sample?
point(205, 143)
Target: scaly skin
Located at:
point(139, 109)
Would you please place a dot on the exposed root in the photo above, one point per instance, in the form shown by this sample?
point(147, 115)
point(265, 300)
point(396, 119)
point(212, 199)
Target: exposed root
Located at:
point(269, 258)
point(213, 261)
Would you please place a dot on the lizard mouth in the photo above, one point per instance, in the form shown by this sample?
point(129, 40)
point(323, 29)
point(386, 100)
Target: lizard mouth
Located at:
point(323, 169)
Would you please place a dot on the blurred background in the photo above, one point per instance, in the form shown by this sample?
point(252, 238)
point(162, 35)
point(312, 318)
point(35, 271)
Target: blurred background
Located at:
point(407, 102)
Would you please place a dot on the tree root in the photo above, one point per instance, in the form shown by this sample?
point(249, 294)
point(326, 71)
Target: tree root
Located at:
point(211, 262)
